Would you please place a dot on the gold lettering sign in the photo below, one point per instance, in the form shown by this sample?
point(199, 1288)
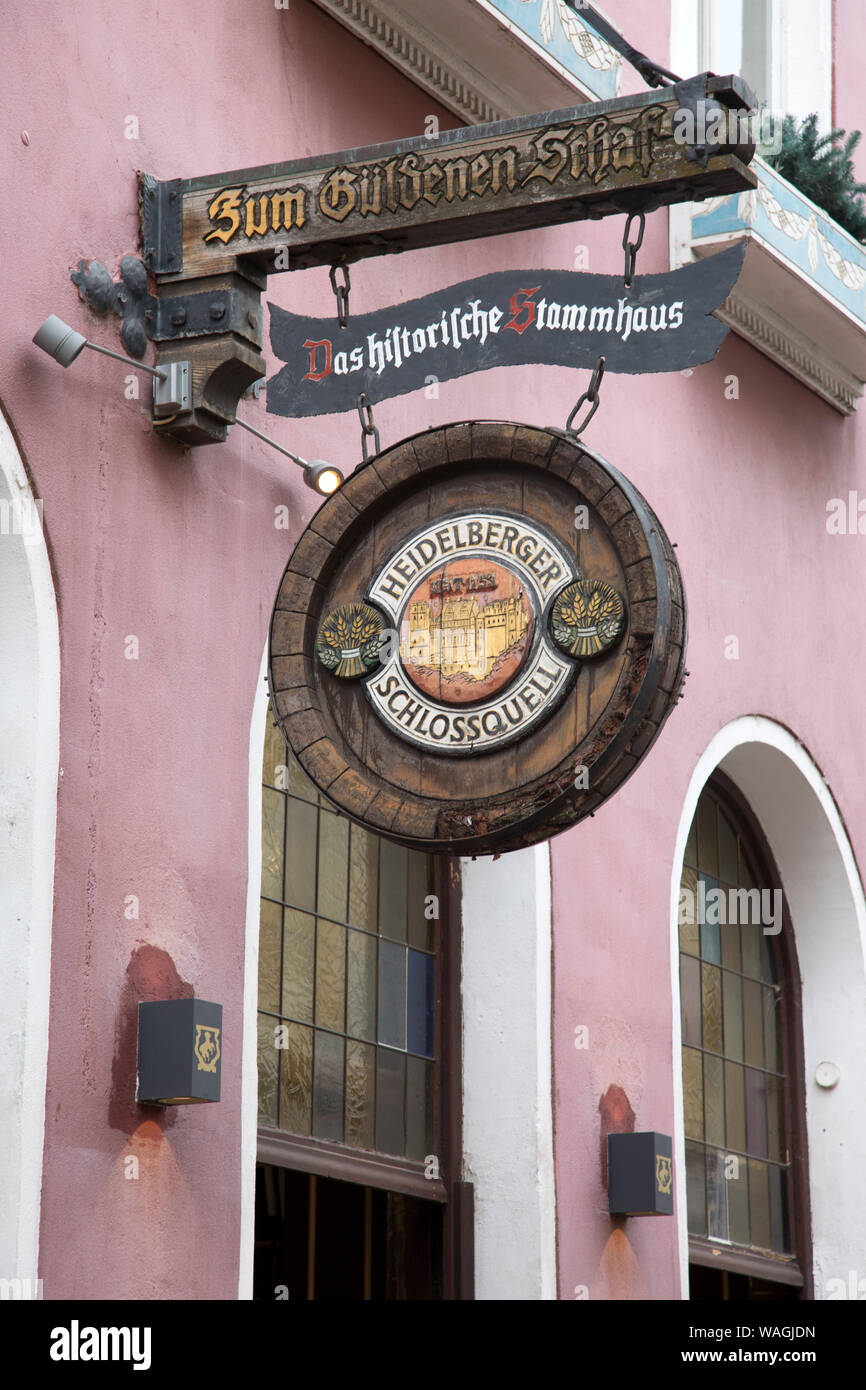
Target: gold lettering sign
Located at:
point(530, 172)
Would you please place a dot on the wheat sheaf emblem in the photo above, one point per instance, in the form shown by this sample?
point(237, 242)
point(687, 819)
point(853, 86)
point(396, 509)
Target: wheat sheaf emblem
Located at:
point(587, 618)
point(349, 640)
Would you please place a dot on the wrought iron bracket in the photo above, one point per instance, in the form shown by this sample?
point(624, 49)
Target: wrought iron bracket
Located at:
point(201, 314)
point(128, 297)
point(697, 96)
point(161, 207)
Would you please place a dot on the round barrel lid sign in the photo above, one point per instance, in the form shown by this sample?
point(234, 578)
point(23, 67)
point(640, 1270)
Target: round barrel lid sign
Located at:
point(477, 638)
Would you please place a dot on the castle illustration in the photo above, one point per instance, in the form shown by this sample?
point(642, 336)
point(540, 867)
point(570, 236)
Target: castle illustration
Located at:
point(465, 638)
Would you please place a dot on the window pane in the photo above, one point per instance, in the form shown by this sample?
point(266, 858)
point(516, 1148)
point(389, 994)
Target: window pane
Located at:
point(419, 1108)
point(733, 992)
point(328, 1087)
point(301, 854)
point(364, 880)
point(772, 1031)
point(360, 1095)
point(693, 1094)
point(711, 994)
point(688, 913)
point(361, 998)
point(330, 976)
point(727, 850)
point(776, 1142)
point(333, 866)
point(392, 994)
point(714, 1101)
point(696, 1188)
point(753, 1031)
point(276, 756)
point(273, 835)
point(756, 1112)
point(711, 943)
point(738, 1202)
point(708, 854)
point(268, 1072)
point(717, 1195)
point(420, 1004)
point(759, 1204)
point(300, 784)
point(270, 950)
point(299, 943)
point(690, 994)
point(731, 939)
point(390, 1086)
point(296, 1076)
point(393, 887)
point(420, 888)
point(735, 1107)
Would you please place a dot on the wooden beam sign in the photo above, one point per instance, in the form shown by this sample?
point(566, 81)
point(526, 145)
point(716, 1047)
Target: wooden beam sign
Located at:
point(561, 166)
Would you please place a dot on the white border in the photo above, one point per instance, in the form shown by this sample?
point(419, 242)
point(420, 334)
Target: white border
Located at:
point(507, 1073)
point(249, 1059)
point(29, 769)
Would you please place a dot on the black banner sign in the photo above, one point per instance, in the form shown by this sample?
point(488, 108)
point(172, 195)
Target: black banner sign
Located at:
point(662, 323)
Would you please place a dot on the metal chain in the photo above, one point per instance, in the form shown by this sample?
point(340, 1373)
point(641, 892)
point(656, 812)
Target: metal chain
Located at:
point(590, 395)
point(631, 248)
point(368, 427)
point(341, 292)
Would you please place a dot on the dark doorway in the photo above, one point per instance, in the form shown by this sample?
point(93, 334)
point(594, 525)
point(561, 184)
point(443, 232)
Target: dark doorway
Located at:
point(319, 1239)
point(722, 1284)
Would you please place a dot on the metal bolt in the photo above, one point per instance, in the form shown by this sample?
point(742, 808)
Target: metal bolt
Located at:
point(217, 311)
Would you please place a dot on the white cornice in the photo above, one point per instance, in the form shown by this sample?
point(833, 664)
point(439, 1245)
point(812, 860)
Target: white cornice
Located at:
point(453, 53)
point(791, 349)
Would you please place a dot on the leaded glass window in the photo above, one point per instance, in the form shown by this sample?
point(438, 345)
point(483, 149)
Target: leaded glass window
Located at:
point(347, 973)
point(735, 1069)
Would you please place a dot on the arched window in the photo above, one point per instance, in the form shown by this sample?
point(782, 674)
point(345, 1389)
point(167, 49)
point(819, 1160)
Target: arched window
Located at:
point(359, 1135)
point(742, 1060)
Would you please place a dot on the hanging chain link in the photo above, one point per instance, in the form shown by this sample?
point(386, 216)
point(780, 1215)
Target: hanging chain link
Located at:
point(341, 292)
point(631, 248)
point(368, 427)
point(590, 395)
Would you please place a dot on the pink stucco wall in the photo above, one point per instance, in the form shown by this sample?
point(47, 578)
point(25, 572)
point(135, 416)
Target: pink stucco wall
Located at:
point(180, 550)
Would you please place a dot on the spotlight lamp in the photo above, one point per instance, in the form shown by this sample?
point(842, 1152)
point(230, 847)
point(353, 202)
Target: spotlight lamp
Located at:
point(172, 394)
point(322, 477)
point(171, 383)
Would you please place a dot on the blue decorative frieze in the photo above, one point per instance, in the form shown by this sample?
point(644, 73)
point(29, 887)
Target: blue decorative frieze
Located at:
point(559, 31)
point(796, 229)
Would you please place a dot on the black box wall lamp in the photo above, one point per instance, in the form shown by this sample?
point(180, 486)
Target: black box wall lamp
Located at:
point(179, 1052)
point(640, 1174)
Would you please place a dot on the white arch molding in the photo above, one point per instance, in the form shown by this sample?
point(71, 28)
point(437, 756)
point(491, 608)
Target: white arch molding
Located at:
point(824, 894)
point(29, 765)
point(250, 1053)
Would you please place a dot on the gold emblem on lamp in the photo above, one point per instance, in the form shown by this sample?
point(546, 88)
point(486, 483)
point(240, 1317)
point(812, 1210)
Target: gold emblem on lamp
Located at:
point(664, 1174)
point(207, 1047)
